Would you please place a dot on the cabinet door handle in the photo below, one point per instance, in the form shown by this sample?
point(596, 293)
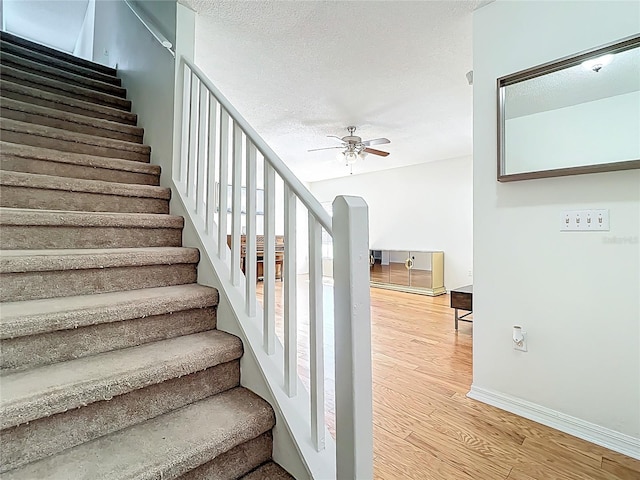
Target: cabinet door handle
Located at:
point(372, 260)
point(408, 264)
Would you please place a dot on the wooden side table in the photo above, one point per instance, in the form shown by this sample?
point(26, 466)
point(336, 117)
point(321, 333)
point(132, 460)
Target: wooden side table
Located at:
point(462, 299)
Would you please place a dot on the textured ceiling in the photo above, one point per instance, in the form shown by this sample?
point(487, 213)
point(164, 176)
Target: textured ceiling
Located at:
point(55, 23)
point(299, 71)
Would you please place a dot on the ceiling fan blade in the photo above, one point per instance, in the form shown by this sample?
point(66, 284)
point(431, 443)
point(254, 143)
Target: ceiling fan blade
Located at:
point(324, 148)
point(335, 136)
point(376, 141)
point(376, 152)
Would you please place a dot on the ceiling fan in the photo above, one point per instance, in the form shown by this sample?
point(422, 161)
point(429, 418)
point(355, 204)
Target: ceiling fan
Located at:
point(354, 147)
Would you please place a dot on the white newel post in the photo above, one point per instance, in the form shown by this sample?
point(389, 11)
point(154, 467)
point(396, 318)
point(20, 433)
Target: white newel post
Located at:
point(352, 318)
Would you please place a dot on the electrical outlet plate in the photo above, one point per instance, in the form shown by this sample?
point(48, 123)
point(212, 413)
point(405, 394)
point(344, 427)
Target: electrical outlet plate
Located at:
point(596, 220)
point(523, 345)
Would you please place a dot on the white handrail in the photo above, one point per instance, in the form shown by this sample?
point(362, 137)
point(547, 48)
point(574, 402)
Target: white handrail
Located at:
point(278, 165)
point(218, 145)
point(146, 21)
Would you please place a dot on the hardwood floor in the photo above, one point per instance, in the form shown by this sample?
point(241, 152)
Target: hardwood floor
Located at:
point(424, 425)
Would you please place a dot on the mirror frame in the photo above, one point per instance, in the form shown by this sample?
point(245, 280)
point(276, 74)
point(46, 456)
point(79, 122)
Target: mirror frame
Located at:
point(546, 68)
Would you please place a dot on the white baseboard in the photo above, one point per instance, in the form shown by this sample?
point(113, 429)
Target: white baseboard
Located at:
point(605, 437)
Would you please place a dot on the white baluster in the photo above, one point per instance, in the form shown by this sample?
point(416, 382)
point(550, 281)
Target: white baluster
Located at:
point(203, 144)
point(290, 294)
point(224, 184)
point(211, 164)
point(269, 261)
point(186, 128)
point(236, 205)
point(352, 329)
point(316, 336)
point(193, 141)
point(251, 259)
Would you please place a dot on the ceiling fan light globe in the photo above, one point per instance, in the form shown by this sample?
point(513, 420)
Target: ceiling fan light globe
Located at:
point(362, 155)
point(351, 157)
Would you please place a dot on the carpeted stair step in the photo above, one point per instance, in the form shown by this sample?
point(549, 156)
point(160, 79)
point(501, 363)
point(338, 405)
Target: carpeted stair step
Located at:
point(34, 274)
point(61, 64)
point(57, 54)
point(62, 88)
point(54, 73)
point(72, 122)
point(58, 139)
point(35, 317)
point(164, 447)
point(45, 331)
point(43, 161)
point(44, 192)
point(236, 462)
point(36, 96)
point(41, 332)
point(268, 471)
point(42, 229)
point(47, 436)
point(40, 392)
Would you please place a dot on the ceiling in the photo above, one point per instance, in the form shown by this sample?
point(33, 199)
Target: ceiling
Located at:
point(299, 71)
point(53, 23)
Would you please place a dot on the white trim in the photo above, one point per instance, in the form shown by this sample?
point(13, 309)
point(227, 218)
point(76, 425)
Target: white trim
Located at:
point(605, 437)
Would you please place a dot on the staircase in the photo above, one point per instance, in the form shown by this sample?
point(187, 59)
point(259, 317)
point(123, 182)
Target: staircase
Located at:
point(112, 366)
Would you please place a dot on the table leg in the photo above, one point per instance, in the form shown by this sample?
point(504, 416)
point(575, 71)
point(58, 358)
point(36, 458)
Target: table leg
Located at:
point(456, 318)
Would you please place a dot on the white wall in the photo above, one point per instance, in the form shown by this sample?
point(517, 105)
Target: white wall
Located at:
point(84, 44)
point(146, 69)
point(421, 207)
point(590, 133)
point(575, 293)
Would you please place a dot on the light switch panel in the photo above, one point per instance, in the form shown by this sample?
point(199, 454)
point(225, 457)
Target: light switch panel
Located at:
point(584, 220)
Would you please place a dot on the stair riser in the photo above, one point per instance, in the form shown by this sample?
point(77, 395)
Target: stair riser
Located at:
point(52, 72)
point(61, 88)
point(71, 146)
point(51, 236)
point(36, 350)
point(64, 283)
point(86, 172)
point(41, 438)
point(236, 462)
point(57, 63)
point(21, 197)
point(69, 125)
point(69, 107)
point(56, 54)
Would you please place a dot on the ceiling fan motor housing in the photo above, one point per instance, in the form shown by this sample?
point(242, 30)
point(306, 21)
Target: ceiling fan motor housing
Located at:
point(351, 139)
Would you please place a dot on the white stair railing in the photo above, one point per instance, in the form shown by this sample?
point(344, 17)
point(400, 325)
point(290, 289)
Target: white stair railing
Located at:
point(215, 173)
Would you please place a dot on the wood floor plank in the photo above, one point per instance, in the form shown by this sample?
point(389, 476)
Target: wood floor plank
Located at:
point(615, 457)
point(552, 449)
point(459, 455)
point(413, 462)
point(517, 475)
point(623, 468)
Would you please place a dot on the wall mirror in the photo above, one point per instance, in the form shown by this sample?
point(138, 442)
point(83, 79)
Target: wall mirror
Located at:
point(576, 115)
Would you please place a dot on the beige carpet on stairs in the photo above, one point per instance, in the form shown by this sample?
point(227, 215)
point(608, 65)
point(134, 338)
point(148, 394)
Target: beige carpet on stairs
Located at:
point(112, 365)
